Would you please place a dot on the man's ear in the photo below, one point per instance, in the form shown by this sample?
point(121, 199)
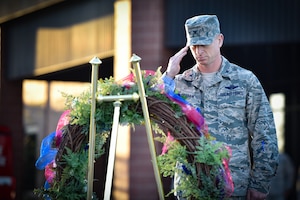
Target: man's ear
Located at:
point(220, 40)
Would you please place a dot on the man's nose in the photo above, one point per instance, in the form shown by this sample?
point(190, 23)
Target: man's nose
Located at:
point(199, 49)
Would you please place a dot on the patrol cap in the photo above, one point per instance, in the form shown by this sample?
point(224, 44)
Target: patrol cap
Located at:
point(202, 29)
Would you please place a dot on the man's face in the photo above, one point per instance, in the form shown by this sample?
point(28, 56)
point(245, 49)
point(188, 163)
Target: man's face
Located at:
point(206, 54)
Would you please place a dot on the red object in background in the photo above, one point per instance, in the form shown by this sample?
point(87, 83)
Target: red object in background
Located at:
point(7, 179)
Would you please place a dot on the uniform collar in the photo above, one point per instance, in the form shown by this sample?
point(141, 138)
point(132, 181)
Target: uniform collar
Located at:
point(193, 75)
point(225, 69)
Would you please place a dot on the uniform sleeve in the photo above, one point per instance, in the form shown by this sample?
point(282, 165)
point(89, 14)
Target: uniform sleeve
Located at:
point(169, 83)
point(263, 145)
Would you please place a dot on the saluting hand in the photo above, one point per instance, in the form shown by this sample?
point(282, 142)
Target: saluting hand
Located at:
point(174, 62)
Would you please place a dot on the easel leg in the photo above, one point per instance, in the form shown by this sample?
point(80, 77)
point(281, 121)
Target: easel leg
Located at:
point(135, 61)
point(95, 64)
point(112, 151)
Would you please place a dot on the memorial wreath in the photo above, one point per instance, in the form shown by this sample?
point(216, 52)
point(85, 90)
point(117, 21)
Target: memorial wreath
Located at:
point(189, 152)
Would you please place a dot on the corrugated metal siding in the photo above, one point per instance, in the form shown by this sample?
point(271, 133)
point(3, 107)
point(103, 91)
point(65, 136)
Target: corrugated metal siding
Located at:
point(58, 38)
point(10, 9)
point(242, 22)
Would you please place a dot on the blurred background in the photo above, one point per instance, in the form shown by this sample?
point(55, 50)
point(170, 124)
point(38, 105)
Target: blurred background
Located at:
point(46, 46)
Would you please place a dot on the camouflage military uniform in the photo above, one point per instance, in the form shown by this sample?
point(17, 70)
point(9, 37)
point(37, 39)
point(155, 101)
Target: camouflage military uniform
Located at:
point(236, 109)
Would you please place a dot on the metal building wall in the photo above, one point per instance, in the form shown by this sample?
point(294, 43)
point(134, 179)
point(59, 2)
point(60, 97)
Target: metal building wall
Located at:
point(242, 22)
point(10, 9)
point(57, 38)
